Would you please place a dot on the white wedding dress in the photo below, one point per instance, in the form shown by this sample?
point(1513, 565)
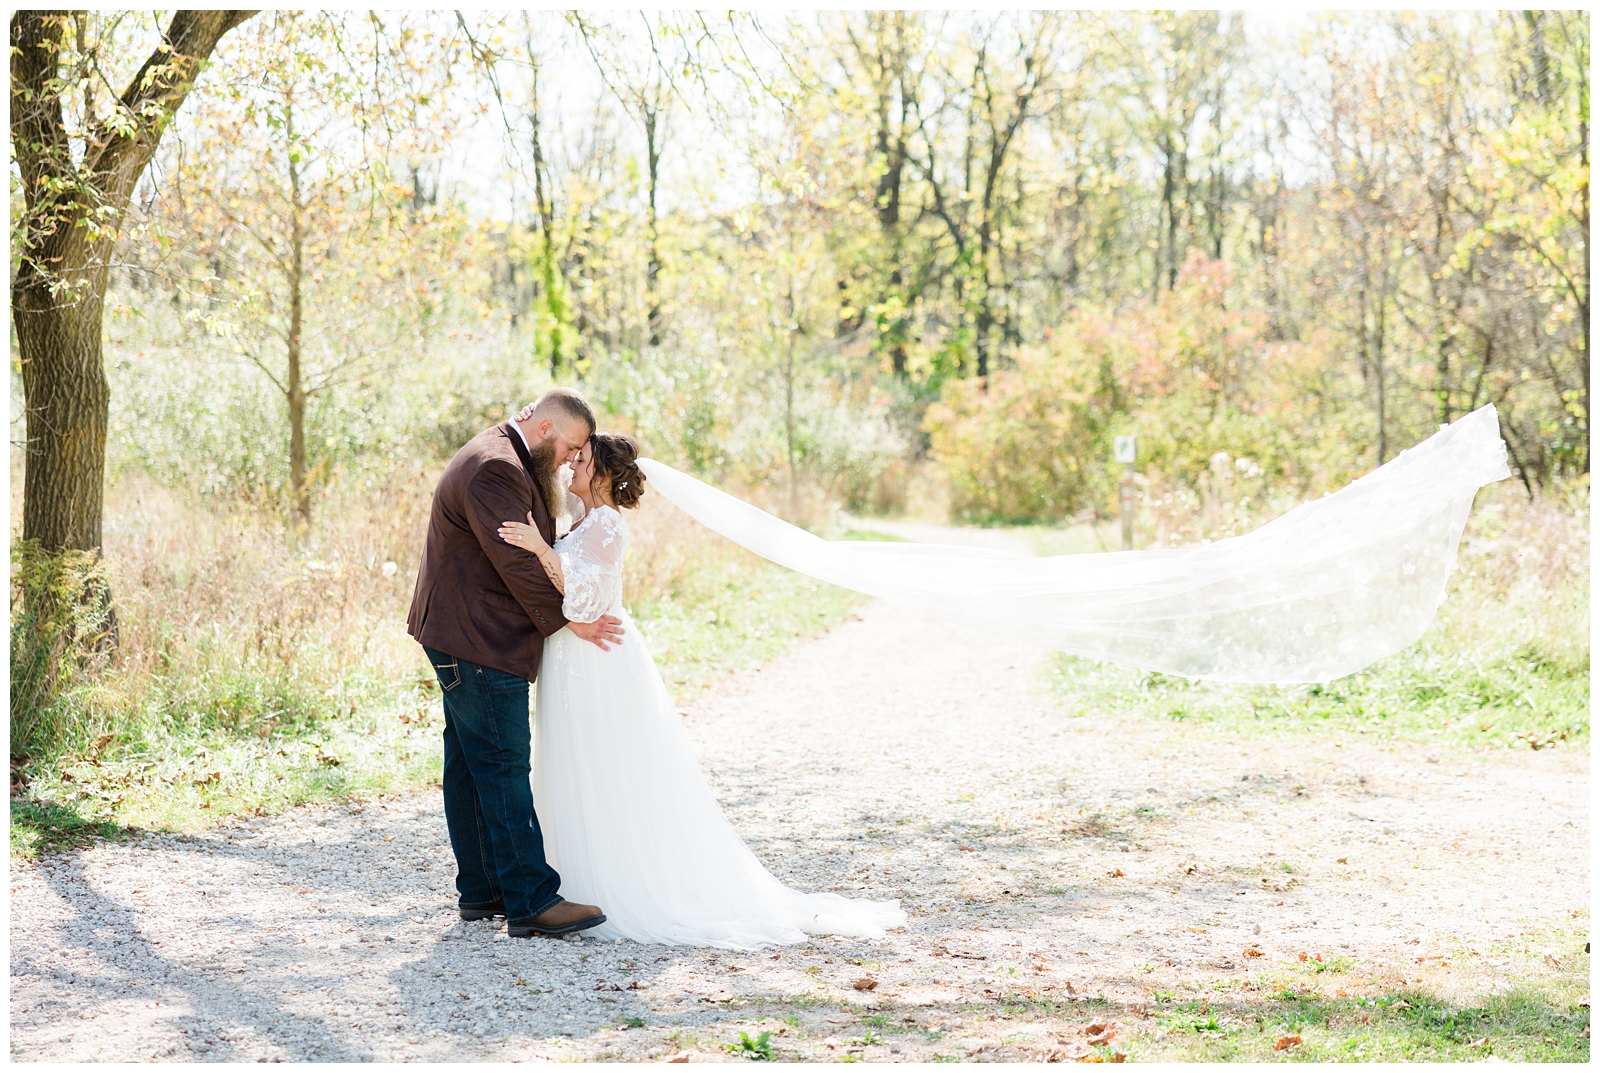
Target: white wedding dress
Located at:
point(628, 818)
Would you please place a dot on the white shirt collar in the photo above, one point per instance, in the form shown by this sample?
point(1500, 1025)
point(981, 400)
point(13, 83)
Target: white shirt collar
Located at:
point(517, 425)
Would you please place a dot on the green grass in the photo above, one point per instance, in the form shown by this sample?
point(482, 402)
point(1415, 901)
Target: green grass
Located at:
point(872, 535)
point(39, 827)
point(1510, 999)
point(1468, 682)
point(191, 778)
point(1529, 1023)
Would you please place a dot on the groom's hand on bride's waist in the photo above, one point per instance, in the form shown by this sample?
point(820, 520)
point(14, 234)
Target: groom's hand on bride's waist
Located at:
point(604, 631)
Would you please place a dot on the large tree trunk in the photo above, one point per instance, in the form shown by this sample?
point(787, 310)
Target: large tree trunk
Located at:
point(68, 399)
point(58, 292)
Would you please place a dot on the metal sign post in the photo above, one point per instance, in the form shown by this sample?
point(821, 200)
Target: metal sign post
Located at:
point(1126, 452)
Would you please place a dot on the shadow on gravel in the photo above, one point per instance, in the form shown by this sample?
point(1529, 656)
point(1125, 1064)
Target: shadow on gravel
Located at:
point(230, 1009)
point(477, 989)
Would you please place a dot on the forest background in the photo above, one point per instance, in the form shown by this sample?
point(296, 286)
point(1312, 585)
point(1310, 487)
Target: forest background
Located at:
point(888, 263)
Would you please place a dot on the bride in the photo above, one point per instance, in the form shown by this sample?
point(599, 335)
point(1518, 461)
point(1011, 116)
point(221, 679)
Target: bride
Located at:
point(628, 818)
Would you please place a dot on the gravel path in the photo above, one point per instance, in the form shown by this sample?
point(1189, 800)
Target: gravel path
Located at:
point(1040, 857)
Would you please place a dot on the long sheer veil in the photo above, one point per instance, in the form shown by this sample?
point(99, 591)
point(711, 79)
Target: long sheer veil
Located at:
point(1321, 592)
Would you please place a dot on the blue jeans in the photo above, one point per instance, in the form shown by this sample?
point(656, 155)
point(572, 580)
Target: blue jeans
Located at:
point(488, 801)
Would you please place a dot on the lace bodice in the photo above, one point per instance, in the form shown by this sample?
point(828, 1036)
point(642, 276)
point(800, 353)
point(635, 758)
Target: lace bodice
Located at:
point(591, 558)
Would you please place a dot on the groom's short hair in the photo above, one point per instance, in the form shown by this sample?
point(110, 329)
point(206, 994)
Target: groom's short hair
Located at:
point(568, 401)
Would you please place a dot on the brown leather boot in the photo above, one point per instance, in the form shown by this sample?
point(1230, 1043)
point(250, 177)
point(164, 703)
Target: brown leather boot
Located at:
point(563, 918)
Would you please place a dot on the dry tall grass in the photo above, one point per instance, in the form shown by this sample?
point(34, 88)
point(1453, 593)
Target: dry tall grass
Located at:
point(230, 620)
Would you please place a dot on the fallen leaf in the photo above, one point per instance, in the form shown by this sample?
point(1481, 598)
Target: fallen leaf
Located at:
point(1116, 873)
point(678, 1058)
point(1285, 1042)
point(1070, 1053)
point(1252, 952)
point(1118, 1056)
point(866, 983)
point(1400, 1005)
point(1303, 957)
point(1484, 1042)
point(1344, 860)
point(1095, 1029)
point(967, 849)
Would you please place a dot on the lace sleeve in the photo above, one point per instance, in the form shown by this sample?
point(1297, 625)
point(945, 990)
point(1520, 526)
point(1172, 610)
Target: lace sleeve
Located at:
point(592, 562)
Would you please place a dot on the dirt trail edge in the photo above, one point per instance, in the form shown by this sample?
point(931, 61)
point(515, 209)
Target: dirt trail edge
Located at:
point(1042, 859)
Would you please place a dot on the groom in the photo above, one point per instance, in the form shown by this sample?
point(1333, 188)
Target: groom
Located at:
point(481, 611)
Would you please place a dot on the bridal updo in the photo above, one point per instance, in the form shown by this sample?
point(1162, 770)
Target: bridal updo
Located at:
point(616, 460)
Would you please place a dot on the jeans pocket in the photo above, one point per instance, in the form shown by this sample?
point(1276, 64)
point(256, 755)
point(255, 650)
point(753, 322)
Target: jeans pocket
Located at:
point(449, 674)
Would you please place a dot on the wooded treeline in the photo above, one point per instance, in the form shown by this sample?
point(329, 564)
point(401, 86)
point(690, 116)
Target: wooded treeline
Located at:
point(819, 252)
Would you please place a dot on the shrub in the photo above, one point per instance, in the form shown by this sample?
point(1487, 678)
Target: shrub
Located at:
point(1024, 446)
point(61, 622)
point(1226, 414)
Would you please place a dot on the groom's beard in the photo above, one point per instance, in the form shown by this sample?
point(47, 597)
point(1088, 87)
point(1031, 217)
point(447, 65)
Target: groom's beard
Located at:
point(544, 472)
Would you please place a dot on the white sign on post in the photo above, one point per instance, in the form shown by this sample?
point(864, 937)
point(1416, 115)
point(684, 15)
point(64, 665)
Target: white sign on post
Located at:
point(1126, 450)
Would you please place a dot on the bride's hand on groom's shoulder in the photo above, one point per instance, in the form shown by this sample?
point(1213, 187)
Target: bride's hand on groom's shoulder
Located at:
point(604, 631)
